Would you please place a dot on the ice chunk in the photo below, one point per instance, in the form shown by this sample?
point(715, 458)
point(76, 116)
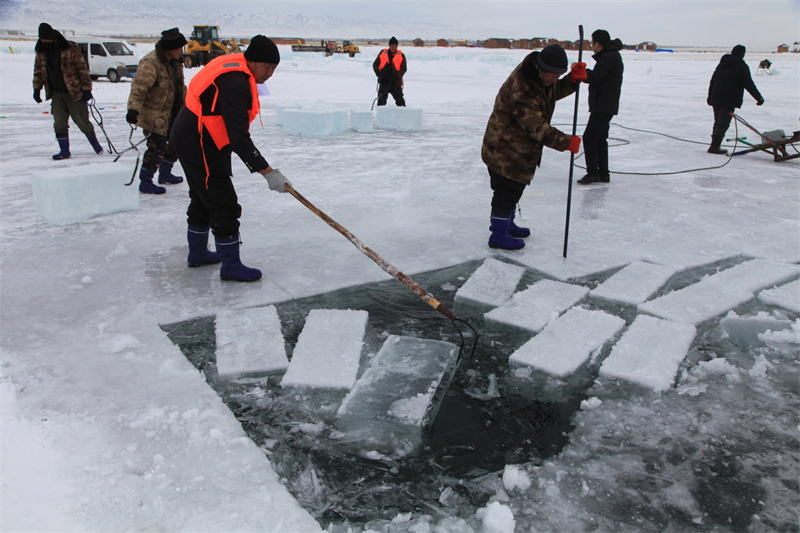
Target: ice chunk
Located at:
point(361, 121)
point(328, 351)
point(649, 353)
point(314, 122)
point(490, 285)
point(720, 292)
point(396, 398)
point(635, 283)
point(398, 118)
point(566, 344)
point(249, 341)
point(533, 308)
point(786, 296)
point(72, 194)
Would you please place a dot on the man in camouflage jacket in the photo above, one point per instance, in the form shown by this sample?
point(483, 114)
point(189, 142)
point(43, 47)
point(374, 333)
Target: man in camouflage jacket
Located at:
point(60, 69)
point(518, 130)
point(157, 94)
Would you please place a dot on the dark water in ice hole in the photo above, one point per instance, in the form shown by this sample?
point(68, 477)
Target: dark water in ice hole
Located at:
point(475, 433)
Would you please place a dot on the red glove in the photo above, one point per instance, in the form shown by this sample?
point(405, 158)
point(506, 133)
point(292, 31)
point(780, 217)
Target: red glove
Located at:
point(578, 73)
point(574, 144)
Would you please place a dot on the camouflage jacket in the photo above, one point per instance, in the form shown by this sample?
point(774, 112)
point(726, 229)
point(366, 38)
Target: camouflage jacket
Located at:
point(520, 123)
point(73, 68)
point(153, 92)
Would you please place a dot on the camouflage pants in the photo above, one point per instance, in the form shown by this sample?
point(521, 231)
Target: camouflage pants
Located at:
point(157, 148)
point(63, 107)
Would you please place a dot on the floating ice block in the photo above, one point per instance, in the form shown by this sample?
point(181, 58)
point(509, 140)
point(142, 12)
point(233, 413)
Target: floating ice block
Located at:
point(361, 121)
point(249, 341)
point(398, 118)
point(786, 296)
point(396, 397)
point(72, 194)
point(720, 292)
point(635, 283)
point(567, 343)
point(533, 308)
point(328, 351)
point(314, 122)
point(648, 354)
point(490, 285)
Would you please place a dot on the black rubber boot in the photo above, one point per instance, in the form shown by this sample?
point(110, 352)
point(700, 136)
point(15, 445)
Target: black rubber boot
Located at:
point(716, 142)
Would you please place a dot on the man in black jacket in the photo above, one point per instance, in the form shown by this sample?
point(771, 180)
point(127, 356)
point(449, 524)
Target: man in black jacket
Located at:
point(224, 98)
point(726, 93)
point(390, 67)
point(605, 86)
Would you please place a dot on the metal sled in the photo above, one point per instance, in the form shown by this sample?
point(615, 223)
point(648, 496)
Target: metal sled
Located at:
point(772, 142)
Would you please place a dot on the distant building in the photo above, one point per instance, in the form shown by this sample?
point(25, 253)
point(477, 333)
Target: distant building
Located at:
point(496, 43)
point(523, 44)
point(460, 42)
point(419, 42)
point(647, 46)
point(783, 48)
point(281, 40)
point(443, 42)
point(587, 45)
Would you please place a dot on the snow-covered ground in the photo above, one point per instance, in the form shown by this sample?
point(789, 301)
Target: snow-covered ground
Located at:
point(107, 427)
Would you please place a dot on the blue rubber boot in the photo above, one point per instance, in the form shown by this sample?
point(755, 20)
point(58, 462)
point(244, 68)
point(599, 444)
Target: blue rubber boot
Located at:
point(232, 268)
point(199, 254)
point(98, 149)
point(500, 238)
point(165, 174)
point(518, 231)
point(146, 185)
point(63, 144)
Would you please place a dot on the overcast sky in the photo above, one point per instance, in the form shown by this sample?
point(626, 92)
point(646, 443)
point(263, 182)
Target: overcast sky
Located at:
point(763, 23)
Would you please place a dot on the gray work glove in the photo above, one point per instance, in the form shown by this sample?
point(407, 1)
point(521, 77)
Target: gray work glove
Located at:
point(276, 181)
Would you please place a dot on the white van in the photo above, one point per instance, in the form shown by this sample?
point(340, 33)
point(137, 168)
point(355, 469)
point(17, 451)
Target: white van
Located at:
point(108, 58)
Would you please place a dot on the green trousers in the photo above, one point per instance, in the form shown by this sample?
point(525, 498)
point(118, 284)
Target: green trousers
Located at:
point(63, 107)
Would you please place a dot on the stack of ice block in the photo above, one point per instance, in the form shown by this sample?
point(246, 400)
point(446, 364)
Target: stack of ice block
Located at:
point(361, 121)
point(489, 286)
point(313, 122)
point(532, 309)
point(555, 364)
point(72, 194)
point(398, 118)
point(398, 396)
point(249, 341)
point(647, 356)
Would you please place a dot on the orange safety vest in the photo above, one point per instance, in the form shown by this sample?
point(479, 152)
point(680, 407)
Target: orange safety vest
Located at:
point(397, 60)
point(202, 81)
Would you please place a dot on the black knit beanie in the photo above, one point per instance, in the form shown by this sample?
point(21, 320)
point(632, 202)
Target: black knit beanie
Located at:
point(172, 39)
point(738, 51)
point(46, 32)
point(262, 50)
point(552, 58)
point(393, 40)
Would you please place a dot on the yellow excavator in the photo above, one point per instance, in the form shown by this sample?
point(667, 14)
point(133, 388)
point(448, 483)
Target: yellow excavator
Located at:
point(205, 45)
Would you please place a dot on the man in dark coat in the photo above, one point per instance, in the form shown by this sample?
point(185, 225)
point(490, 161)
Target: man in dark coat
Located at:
point(726, 93)
point(519, 129)
point(390, 67)
point(605, 86)
point(221, 102)
point(59, 69)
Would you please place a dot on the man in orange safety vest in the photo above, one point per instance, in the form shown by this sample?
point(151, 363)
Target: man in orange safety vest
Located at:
point(390, 67)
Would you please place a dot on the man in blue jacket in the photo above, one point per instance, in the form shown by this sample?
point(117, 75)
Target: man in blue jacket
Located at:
point(726, 93)
point(605, 87)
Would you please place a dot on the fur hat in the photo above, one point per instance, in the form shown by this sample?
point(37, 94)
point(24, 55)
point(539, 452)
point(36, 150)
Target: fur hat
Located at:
point(392, 41)
point(552, 58)
point(739, 51)
point(46, 32)
point(172, 39)
point(262, 50)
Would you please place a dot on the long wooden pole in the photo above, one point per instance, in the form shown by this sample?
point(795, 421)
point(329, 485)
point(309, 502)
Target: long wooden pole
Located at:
point(412, 285)
point(571, 155)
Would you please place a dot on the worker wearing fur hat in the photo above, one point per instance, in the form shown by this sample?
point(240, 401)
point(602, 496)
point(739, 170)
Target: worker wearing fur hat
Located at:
point(157, 94)
point(390, 67)
point(221, 103)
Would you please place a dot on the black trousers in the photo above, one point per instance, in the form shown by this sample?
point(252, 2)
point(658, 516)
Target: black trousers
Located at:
point(507, 193)
point(395, 88)
point(595, 143)
point(157, 148)
point(216, 206)
point(722, 121)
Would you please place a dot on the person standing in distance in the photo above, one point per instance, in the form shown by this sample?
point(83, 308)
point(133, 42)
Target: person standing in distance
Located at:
point(60, 69)
point(157, 95)
point(390, 67)
point(726, 93)
point(605, 87)
point(221, 102)
point(519, 129)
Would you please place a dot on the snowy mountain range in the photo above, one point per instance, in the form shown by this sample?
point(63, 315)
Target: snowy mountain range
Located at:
point(133, 18)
